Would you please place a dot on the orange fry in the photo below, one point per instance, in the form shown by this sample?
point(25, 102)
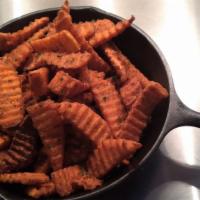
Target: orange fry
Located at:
point(60, 42)
point(43, 190)
point(40, 34)
point(141, 110)
point(85, 98)
point(60, 60)
point(103, 37)
point(130, 91)
point(87, 182)
point(108, 100)
point(38, 80)
point(109, 154)
point(112, 52)
point(25, 178)
point(18, 56)
point(97, 63)
point(65, 85)
point(64, 178)
point(86, 29)
point(51, 131)
point(85, 120)
point(11, 102)
point(11, 40)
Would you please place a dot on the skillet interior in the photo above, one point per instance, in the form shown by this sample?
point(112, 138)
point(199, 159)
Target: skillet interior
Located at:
point(145, 56)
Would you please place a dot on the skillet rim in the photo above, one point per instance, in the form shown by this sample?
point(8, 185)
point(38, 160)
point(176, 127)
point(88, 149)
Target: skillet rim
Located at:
point(171, 91)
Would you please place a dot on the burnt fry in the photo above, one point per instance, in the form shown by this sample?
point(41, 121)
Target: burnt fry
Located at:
point(25, 178)
point(73, 61)
point(109, 154)
point(11, 102)
point(50, 128)
point(11, 40)
point(43, 190)
point(86, 120)
point(60, 42)
point(102, 37)
point(108, 100)
point(141, 110)
point(65, 85)
point(38, 80)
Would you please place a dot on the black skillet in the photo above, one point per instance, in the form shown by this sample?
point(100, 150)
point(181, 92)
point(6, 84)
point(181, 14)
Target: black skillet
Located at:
point(142, 51)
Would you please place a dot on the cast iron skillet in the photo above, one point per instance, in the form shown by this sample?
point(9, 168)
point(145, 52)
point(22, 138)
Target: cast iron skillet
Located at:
point(142, 51)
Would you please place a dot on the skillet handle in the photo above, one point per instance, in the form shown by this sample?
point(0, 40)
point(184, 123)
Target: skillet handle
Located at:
point(181, 115)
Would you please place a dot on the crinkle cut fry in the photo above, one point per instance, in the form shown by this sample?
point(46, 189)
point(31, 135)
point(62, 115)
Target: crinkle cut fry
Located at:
point(73, 61)
point(109, 154)
point(11, 40)
point(86, 29)
point(20, 153)
point(86, 120)
point(112, 52)
point(103, 37)
point(65, 85)
point(25, 178)
point(97, 63)
point(60, 42)
point(130, 91)
point(43, 190)
point(64, 178)
point(18, 56)
point(11, 102)
point(109, 103)
point(50, 128)
point(141, 110)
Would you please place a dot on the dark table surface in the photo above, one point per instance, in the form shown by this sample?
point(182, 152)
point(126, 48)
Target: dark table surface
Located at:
point(173, 173)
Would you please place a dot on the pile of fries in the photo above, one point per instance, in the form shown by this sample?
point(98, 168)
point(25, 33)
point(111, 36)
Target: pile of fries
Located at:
point(67, 116)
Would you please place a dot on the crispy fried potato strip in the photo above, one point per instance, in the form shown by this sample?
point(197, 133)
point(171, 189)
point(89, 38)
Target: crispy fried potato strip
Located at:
point(11, 102)
point(109, 154)
point(130, 91)
point(65, 85)
point(49, 125)
point(63, 41)
point(43, 190)
point(103, 37)
point(66, 180)
point(11, 40)
point(97, 63)
point(25, 178)
point(73, 61)
point(18, 56)
point(38, 80)
point(108, 100)
point(141, 110)
point(86, 120)
point(86, 29)
point(20, 153)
